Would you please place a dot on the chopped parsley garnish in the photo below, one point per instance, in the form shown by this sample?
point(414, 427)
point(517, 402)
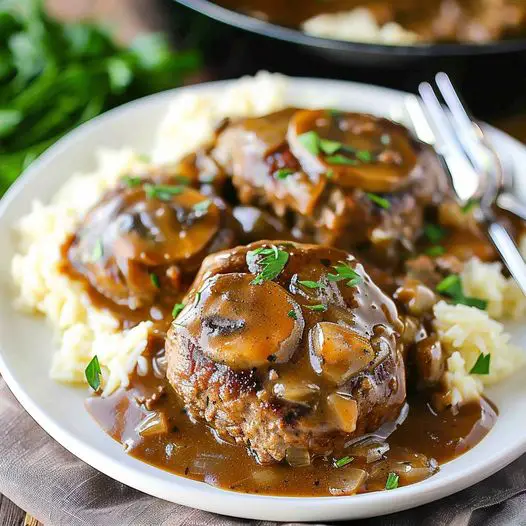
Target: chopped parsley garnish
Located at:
point(317, 308)
point(203, 206)
point(451, 286)
point(131, 181)
point(154, 278)
point(178, 307)
point(481, 365)
point(98, 251)
point(310, 141)
point(329, 173)
point(434, 233)
point(364, 156)
point(310, 284)
point(392, 481)
point(345, 272)
point(436, 250)
point(329, 147)
point(341, 462)
point(469, 205)
point(341, 159)
point(164, 192)
point(271, 265)
point(93, 373)
point(182, 179)
point(382, 202)
point(283, 173)
point(292, 314)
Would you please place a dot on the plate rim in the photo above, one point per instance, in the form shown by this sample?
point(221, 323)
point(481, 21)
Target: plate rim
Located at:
point(189, 491)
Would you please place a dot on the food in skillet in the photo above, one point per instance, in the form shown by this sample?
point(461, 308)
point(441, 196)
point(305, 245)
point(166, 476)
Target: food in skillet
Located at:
point(282, 335)
point(396, 21)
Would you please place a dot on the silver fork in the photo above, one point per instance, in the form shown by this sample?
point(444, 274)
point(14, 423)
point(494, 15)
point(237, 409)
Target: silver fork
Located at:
point(472, 166)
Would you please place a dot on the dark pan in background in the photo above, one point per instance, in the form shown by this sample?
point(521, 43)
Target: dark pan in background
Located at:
point(353, 52)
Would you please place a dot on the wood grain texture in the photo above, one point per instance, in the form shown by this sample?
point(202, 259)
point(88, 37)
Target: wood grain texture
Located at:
point(10, 514)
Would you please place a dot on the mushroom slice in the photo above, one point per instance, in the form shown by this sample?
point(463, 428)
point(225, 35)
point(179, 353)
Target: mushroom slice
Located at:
point(244, 325)
point(344, 411)
point(359, 150)
point(339, 353)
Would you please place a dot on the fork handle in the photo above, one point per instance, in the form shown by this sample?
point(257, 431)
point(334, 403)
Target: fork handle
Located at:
point(509, 252)
point(511, 204)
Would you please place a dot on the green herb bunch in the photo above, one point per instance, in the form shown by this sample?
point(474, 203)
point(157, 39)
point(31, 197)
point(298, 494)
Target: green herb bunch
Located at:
point(55, 76)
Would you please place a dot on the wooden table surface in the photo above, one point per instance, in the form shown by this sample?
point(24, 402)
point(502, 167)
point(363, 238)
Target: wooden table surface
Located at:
point(129, 17)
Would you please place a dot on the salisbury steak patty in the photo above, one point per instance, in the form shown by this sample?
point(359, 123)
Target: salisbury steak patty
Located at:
point(290, 349)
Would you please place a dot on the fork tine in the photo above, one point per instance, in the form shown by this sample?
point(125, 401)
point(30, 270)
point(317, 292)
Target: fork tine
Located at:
point(468, 133)
point(467, 185)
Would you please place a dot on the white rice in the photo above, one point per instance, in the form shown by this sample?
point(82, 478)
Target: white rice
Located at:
point(85, 331)
point(358, 25)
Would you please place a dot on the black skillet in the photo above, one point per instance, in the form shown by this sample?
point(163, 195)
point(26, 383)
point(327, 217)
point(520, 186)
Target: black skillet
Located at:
point(353, 52)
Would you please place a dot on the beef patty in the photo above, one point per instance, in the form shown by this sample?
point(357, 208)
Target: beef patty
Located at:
point(287, 348)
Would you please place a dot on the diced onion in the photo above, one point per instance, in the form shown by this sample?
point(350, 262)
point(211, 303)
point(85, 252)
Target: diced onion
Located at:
point(154, 424)
point(370, 449)
point(297, 457)
point(347, 481)
point(344, 411)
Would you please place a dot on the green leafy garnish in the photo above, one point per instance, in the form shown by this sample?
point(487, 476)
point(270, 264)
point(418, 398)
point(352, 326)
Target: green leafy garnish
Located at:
point(382, 202)
point(330, 173)
point(317, 308)
point(451, 286)
point(292, 314)
point(131, 181)
point(329, 147)
point(341, 159)
point(434, 233)
point(469, 205)
point(310, 141)
point(198, 297)
point(435, 251)
point(271, 265)
point(345, 272)
point(341, 462)
point(55, 76)
point(93, 373)
point(203, 206)
point(392, 481)
point(163, 192)
point(364, 156)
point(283, 173)
point(310, 284)
point(98, 251)
point(178, 307)
point(481, 365)
point(154, 278)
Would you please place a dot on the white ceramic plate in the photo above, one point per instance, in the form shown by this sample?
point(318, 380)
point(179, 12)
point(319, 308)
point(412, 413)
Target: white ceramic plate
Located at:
point(27, 343)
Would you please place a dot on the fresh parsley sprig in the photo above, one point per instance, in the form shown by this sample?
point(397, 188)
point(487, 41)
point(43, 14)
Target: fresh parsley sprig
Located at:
point(345, 272)
point(271, 264)
point(451, 286)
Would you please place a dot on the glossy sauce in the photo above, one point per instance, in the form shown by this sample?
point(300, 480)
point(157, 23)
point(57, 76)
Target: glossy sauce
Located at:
point(192, 450)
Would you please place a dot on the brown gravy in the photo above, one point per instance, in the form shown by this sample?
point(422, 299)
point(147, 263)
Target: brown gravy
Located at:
point(190, 448)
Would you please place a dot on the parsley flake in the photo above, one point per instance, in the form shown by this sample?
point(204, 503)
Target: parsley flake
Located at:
point(481, 365)
point(434, 233)
point(341, 462)
point(131, 181)
point(451, 286)
point(178, 307)
point(310, 141)
point(345, 272)
point(435, 251)
point(292, 314)
point(317, 308)
point(341, 159)
point(382, 202)
point(154, 278)
point(392, 481)
point(163, 192)
point(469, 205)
point(330, 173)
point(93, 373)
point(329, 147)
point(271, 265)
point(283, 173)
point(310, 284)
point(364, 155)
